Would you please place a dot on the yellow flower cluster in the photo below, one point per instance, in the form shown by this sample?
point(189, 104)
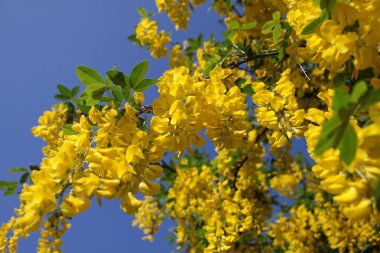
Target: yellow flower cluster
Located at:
point(11, 243)
point(51, 236)
point(352, 186)
point(123, 160)
point(288, 173)
point(346, 235)
point(50, 126)
point(191, 191)
point(351, 32)
point(176, 58)
point(228, 205)
point(278, 110)
point(147, 35)
point(177, 10)
point(309, 230)
point(121, 163)
point(299, 233)
point(189, 103)
point(149, 217)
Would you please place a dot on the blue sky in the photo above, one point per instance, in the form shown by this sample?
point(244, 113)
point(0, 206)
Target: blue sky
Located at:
point(42, 42)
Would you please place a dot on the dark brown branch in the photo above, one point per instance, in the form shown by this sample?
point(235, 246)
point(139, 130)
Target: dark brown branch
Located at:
point(251, 58)
point(237, 168)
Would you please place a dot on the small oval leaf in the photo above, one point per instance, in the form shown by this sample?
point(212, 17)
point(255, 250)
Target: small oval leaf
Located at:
point(138, 73)
point(88, 75)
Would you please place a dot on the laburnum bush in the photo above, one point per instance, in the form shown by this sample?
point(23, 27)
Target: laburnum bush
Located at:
point(285, 69)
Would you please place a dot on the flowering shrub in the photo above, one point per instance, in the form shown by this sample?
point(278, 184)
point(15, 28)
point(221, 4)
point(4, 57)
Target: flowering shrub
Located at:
point(285, 69)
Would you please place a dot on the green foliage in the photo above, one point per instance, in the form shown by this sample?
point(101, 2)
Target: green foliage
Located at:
point(65, 94)
point(18, 169)
point(88, 75)
point(248, 26)
point(119, 78)
point(24, 177)
point(138, 73)
point(372, 98)
point(338, 132)
point(144, 84)
point(9, 187)
point(310, 28)
point(233, 25)
point(273, 25)
point(142, 12)
point(326, 7)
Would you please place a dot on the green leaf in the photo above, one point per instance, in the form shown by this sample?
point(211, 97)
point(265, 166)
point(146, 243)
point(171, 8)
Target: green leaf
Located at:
point(233, 25)
point(9, 187)
point(248, 90)
point(113, 87)
point(108, 80)
point(142, 12)
point(34, 167)
point(68, 130)
point(24, 177)
point(372, 98)
point(328, 137)
point(119, 78)
point(64, 91)
point(276, 15)
point(249, 25)
point(117, 96)
point(359, 90)
point(11, 190)
point(200, 39)
point(339, 79)
point(105, 99)
point(341, 100)
point(18, 170)
point(126, 94)
point(85, 108)
point(60, 97)
point(94, 87)
point(94, 98)
point(239, 82)
point(209, 66)
point(276, 32)
point(138, 73)
point(74, 91)
point(88, 75)
point(6, 184)
point(230, 34)
point(133, 39)
point(145, 84)
point(227, 4)
point(268, 26)
point(310, 28)
point(326, 5)
point(348, 145)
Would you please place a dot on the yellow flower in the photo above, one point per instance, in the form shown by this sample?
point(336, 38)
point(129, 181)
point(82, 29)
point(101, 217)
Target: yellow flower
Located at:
point(72, 205)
